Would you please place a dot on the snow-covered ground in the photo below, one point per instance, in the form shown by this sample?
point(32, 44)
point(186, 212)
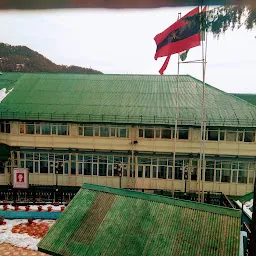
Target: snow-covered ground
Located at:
point(20, 240)
point(35, 207)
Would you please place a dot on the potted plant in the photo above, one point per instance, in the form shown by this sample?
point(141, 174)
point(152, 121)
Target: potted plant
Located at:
point(39, 208)
point(49, 208)
point(5, 207)
point(16, 207)
point(27, 208)
point(62, 208)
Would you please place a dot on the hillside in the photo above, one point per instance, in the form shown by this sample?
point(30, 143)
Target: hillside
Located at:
point(23, 59)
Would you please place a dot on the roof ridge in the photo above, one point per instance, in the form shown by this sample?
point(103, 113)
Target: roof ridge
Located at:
point(165, 200)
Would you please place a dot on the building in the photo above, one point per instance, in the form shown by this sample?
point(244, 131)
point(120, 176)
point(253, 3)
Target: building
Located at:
point(100, 127)
point(114, 221)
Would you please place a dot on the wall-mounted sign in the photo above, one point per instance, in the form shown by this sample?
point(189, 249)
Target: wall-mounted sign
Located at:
point(20, 178)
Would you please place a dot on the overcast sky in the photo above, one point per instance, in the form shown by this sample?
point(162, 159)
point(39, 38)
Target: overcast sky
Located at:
point(115, 41)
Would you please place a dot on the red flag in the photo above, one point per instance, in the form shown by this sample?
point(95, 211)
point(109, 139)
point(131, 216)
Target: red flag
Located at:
point(180, 36)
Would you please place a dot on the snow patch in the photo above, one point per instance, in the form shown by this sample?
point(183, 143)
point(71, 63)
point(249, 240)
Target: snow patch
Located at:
point(3, 93)
point(20, 240)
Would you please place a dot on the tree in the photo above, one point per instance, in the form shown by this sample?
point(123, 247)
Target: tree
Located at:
point(218, 20)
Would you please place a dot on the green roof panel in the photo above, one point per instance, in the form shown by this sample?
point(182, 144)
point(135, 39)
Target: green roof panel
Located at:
point(108, 221)
point(135, 99)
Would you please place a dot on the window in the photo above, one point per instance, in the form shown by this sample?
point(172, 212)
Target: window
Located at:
point(104, 131)
point(183, 134)
point(213, 135)
point(102, 169)
point(147, 171)
point(218, 176)
point(222, 135)
point(154, 171)
point(234, 176)
point(240, 136)
point(166, 134)
point(140, 171)
point(73, 168)
point(149, 133)
point(242, 176)
point(5, 127)
point(141, 133)
point(225, 176)
point(231, 136)
point(87, 168)
point(123, 132)
point(88, 131)
point(44, 128)
point(209, 174)
point(249, 137)
point(169, 172)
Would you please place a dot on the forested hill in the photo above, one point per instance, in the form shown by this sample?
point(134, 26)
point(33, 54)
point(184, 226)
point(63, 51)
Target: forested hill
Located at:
point(23, 59)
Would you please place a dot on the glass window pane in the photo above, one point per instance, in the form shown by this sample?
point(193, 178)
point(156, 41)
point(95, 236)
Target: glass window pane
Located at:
point(213, 135)
point(66, 168)
point(95, 169)
point(141, 133)
point(110, 169)
point(178, 173)
point(169, 172)
point(73, 168)
point(194, 173)
point(2, 127)
point(54, 129)
point(149, 133)
point(225, 177)
point(222, 135)
point(88, 169)
point(122, 133)
point(7, 128)
point(29, 165)
point(102, 169)
point(231, 136)
point(104, 131)
point(38, 128)
point(162, 172)
point(80, 131)
point(240, 136)
point(147, 171)
point(183, 134)
point(88, 131)
point(249, 137)
point(43, 167)
point(166, 134)
point(234, 176)
point(209, 174)
point(140, 171)
point(36, 167)
point(88, 158)
point(242, 176)
point(218, 176)
point(46, 129)
point(22, 128)
point(154, 171)
point(80, 168)
point(31, 129)
point(113, 132)
point(96, 131)
point(157, 132)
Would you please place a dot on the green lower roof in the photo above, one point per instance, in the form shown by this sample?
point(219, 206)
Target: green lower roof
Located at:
point(107, 221)
point(130, 99)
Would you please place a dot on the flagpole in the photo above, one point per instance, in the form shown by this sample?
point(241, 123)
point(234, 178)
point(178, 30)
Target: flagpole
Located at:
point(176, 119)
point(203, 132)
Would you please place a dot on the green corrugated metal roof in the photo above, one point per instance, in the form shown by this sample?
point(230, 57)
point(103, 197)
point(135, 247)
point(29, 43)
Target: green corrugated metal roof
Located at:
point(144, 99)
point(251, 98)
point(108, 221)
